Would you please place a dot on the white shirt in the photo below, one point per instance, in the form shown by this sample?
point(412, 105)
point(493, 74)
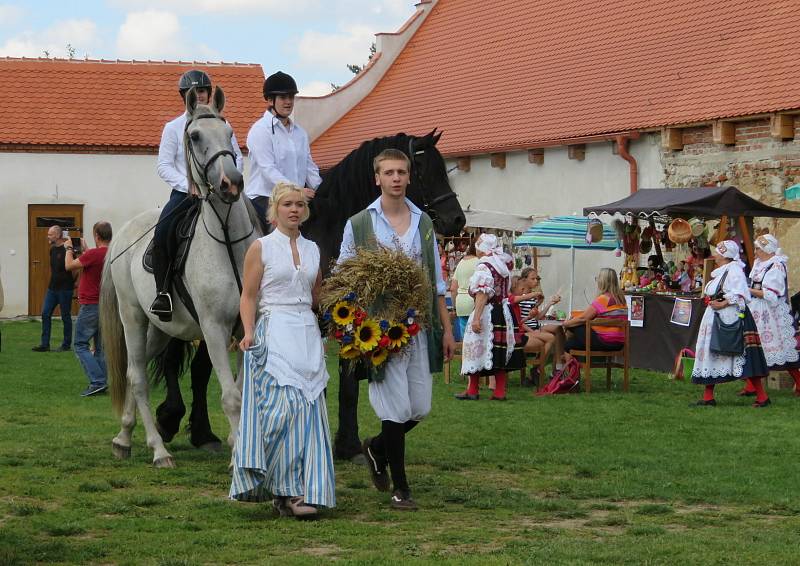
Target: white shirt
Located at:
point(279, 154)
point(171, 158)
point(410, 242)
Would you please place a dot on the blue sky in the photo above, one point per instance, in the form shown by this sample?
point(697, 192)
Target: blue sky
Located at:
point(310, 39)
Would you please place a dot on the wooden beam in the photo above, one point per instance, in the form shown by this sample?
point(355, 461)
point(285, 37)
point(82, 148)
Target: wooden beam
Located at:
point(672, 138)
point(747, 239)
point(536, 156)
point(781, 126)
point(498, 160)
point(724, 132)
point(464, 163)
point(577, 152)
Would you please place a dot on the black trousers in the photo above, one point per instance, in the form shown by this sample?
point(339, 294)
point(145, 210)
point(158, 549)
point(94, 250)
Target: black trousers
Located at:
point(261, 204)
point(578, 341)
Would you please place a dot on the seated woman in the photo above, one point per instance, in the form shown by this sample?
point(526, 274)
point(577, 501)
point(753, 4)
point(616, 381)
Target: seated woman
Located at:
point(527, 300)
point(610, 303)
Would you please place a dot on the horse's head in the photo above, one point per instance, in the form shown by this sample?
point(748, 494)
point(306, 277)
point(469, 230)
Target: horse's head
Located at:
point(430, 188)
point(207, 140)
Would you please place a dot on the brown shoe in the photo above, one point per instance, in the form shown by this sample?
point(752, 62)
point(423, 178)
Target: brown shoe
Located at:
point(294, 507)
point(401, 500)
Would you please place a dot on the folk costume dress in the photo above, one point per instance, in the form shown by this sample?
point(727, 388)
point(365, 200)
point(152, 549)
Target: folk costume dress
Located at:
point(499, 344)
point(772, 313)
point(711, 368)
point(283, 446)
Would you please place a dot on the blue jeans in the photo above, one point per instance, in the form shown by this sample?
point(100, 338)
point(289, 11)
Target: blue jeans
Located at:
point(51, 300)
point(87, 327)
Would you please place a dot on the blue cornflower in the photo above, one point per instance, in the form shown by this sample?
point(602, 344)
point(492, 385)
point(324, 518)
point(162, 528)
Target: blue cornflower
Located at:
point(384, 325)
point(350, 296)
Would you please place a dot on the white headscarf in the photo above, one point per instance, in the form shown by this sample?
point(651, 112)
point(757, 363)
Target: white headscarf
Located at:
point(769, 244)
point(489, 245)
point(730, 249)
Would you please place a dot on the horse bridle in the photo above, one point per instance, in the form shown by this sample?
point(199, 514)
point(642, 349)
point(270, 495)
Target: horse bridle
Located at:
point(428, 206)
point(192, 157)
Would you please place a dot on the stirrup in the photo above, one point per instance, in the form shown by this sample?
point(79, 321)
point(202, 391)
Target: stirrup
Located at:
point(164, 314)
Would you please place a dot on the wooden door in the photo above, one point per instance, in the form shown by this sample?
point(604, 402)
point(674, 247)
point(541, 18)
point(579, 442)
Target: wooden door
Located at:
point(40, 218)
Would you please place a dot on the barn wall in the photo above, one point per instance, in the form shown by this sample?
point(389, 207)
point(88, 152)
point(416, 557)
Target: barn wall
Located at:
point(111, 187)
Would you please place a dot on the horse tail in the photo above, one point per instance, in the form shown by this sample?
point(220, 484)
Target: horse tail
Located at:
point(113, 336)
point(172, 361)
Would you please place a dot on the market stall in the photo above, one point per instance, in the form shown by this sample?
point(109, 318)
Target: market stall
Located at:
point(666, 234)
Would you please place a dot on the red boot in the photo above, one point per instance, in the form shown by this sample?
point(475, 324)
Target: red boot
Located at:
point(499, 386)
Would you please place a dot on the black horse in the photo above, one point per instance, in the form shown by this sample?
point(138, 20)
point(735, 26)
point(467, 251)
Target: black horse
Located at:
point(346, 189)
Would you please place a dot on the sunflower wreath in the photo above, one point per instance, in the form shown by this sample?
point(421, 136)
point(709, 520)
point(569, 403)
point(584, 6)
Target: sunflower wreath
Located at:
point(374, 302)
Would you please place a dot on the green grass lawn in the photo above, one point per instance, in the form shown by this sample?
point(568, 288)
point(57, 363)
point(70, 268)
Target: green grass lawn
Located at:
point(609, 478)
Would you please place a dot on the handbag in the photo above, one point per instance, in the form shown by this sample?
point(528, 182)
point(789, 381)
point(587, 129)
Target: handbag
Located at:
point(726, 339)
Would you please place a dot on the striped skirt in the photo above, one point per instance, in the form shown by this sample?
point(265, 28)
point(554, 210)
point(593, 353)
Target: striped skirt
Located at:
point(283, 446)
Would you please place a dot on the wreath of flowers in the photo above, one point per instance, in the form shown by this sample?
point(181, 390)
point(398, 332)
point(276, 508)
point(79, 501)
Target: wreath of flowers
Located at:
point(374, 303)
point(362, 336)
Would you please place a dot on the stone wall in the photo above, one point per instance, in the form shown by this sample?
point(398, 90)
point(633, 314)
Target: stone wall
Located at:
point(757, 164)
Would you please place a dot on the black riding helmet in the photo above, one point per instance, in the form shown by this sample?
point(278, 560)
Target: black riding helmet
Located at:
point(194, 78)
point(279, 83)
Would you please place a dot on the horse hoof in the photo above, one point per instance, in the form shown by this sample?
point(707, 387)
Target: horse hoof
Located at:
point(213, 447)
point(119, 451)
point(165, 462)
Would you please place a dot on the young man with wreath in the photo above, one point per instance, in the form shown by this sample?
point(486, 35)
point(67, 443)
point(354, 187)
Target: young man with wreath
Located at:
point(402, 397)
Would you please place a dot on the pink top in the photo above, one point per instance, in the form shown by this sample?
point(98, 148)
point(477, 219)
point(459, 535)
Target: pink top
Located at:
point(607, 307)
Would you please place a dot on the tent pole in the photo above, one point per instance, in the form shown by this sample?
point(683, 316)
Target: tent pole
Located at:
point(747, 240)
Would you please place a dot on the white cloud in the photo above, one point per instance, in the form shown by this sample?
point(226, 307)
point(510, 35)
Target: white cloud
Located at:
point(273, 7)
point(157, 35)
point(315, 88)
point(334, 50)
point(10, 14)
point(80, 34)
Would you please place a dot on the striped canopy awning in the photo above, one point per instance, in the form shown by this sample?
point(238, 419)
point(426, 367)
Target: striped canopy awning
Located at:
point(567, 232)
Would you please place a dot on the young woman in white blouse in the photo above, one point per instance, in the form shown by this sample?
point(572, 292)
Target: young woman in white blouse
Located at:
point(283, 448)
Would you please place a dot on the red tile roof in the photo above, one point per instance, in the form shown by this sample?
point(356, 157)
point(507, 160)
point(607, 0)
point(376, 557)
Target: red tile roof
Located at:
point(513, 73)
point(111, 104)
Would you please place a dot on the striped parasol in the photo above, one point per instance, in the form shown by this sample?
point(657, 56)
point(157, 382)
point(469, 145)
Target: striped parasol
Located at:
point(566, 232)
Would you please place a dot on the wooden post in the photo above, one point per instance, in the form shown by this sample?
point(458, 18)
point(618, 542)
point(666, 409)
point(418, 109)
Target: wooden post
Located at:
point(747, 239)
point(722, 230)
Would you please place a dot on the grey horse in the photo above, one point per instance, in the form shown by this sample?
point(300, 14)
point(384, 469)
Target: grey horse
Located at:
point(131, 335)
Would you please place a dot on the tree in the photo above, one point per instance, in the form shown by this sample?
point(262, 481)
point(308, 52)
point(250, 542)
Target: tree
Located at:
point(355, 69)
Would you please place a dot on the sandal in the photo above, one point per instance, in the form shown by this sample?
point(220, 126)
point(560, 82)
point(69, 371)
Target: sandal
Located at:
point(294, 507)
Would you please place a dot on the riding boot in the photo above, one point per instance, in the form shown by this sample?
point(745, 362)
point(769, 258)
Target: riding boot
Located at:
point(162, 305)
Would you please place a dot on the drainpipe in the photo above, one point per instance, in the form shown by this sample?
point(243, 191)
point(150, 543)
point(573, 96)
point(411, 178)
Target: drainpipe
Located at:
point(622, 147)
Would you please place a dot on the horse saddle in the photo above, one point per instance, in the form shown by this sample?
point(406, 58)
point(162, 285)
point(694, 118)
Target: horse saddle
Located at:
point(179, 241)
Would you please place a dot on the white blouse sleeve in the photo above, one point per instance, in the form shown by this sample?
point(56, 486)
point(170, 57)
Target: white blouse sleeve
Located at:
point(481, 281)
point(736, 290)
point(774, 285)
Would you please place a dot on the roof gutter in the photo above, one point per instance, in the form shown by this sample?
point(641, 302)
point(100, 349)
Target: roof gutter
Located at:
point(622, 146)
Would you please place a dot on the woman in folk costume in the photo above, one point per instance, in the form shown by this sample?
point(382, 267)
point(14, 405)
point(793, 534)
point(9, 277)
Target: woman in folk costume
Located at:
point(771, 311)
point(727, 294)
point(493, 342)
point(283, 447)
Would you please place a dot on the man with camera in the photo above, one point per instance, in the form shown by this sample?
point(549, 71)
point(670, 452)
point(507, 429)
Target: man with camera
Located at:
point(87, 327)
point(59, 292)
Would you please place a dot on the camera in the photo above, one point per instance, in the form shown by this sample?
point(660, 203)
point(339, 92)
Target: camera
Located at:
point(76, 246)
point(65, 234)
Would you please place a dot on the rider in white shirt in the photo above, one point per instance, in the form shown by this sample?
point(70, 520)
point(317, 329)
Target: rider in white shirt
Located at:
point(279, 148)
point(172, 169)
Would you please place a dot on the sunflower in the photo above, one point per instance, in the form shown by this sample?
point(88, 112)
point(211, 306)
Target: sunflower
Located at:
point(342, 313)
point(367, 335)
point(349, 352)
point(398, 335)
point(379, 356)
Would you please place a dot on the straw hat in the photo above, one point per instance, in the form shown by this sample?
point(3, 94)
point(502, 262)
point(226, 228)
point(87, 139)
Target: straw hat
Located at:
point(679, 231)
point(595, 231)
point(698, 227)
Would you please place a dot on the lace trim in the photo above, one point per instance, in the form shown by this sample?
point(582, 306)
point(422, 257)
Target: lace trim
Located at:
point(716, 371)
point(787, 351)
point(476, 349)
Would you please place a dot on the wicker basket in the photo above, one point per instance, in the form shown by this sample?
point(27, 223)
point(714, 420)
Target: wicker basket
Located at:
point(679, 231)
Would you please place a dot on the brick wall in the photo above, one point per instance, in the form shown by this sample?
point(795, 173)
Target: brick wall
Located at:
point(757, 164)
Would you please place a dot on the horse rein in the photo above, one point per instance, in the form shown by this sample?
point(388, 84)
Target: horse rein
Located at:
point(201, 168)
point(417, 178)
